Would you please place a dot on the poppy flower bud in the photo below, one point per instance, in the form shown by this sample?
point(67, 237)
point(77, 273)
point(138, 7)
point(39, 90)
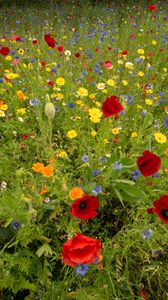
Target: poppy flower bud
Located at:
point(49, 110)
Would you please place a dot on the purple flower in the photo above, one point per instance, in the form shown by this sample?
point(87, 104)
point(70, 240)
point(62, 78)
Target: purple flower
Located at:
point(166, 122)
point(15, 225)
point(82, 269)
point(117, 166)
point(147, 234)
point(85, 158)
point(97, 190)
point(135, 174)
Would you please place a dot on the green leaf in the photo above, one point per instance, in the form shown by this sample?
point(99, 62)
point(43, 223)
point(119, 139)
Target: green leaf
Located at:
point(130, 182)
point(119, 196)
point(44, 250)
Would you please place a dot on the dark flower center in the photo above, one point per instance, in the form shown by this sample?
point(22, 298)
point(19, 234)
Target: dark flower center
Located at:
point(164, 213)
point(82, 205)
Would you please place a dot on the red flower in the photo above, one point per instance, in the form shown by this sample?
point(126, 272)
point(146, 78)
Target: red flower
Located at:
point(49, 40)
point(25, 136)
point(148, 163)
point(111, 106)
point(125, 52)
point(85, 207)
point(80, 249)
point(152, 7)
point(34, 42)
point(18, 38)
point(60, 49)
point(161, 208)
point(77, 54)
point(50, 82)
point(43, 63)
point(4, 50)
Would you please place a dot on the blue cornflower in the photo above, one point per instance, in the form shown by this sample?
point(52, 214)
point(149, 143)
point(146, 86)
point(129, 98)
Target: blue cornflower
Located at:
point(166, 122)
point(103, 159)
point(85, 158)
point(97, 190)
point(95, 173)
point(135, 174)
point(71, 105)
point(1, 80)
point(82, 269)
point(15, 225)
point(117, 166)
point(147, 234)
point(53, 70)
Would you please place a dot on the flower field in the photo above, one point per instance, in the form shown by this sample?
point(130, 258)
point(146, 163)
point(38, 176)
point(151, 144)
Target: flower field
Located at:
point(84, 150)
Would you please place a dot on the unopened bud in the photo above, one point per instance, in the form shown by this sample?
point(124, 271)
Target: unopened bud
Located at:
point(49, 110)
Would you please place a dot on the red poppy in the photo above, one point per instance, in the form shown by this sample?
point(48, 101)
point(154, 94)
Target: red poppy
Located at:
point(4, 51)
point(43, 63)
point(152, 7)
point(109, 48)
point(111, 106)
point(60, 49)
point(80, 249)
point(161, 208)
point(77, 54)
point(148, 163)
point(50, 82)
point(85, 207)
point(25, 136)
point(18, 38)
point(34, 42)
point(49, 40)
point(125, 52)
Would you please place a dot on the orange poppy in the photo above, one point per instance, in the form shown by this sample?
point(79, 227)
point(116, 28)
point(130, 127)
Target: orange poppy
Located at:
point(76, 193)
point(38, 167)
point(48, 171)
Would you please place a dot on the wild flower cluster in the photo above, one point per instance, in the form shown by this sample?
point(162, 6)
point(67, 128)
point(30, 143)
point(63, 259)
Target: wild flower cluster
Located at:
point(84, 153)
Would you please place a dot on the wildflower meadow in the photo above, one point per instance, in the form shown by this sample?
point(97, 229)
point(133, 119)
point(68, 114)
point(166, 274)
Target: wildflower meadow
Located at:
point(84, 150)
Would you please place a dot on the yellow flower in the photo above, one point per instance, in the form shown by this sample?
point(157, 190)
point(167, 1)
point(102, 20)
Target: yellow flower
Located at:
point(71, 134)
point(60, 81)
point(165, 70)
point(8, 57)
point(2, 114)
point(134, 134)
point(93, 133)
point(140, 51)
point(11, 75)
point(30, 66)
point(129, 65)
point(92, 96)
point(148, 102)
point(48, 69)
point(98, 103)
point(140, 74)
point(105, 141)
point(20, 51)
point(111, 82)
point(104, 91)
point(3, 107)
point(82, 92)
point(62, 154)
point(154, 42)
point(160, 138)
point(21, 111)
point(95, 114)
point(115, 131)
point(124, 82)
